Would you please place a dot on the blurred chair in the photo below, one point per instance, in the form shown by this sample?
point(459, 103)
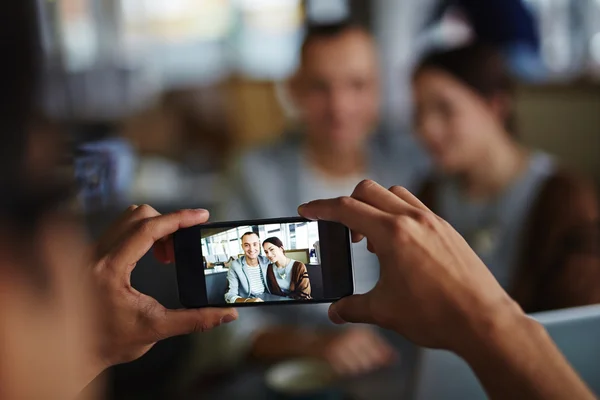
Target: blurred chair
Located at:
point(443, 375)
point(216, 287)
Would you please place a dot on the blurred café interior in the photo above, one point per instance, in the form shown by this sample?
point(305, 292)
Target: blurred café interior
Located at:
point(173, 103)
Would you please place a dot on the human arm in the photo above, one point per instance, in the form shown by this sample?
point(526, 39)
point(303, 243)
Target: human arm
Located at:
point(567, 226)
point(130, 322)
point(561, 264)
point(573, 276)
point(436, 292)
point(232, 295)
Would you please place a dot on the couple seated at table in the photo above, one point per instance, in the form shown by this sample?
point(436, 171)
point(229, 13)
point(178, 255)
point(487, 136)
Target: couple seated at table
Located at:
point(252, 276)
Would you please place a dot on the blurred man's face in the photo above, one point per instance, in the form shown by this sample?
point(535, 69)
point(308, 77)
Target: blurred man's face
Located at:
point(251, 246)
point(337, 90)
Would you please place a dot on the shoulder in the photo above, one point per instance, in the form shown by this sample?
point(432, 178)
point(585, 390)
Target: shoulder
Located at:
point(236, 265)
point(271, 153)
point(298, 265)
point(264, 260)
point(267, 161)
point(405, 164)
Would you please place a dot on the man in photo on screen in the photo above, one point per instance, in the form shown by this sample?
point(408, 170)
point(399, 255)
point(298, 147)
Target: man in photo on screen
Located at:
point(247, 275)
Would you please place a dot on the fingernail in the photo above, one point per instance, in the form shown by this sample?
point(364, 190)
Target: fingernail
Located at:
point(201, 210)
point(302, 206)
point(228, 318)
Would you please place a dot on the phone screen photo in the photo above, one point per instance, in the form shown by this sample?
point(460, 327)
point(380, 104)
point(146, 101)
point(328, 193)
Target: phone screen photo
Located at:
point(263, 262)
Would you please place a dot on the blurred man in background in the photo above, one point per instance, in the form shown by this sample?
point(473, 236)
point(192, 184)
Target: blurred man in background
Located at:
point(336, 92)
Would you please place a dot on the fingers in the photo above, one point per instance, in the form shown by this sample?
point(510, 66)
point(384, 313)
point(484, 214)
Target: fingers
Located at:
point(183, 322)
point(126, 221)
point(370, 247)
point(148, 231)
point(355, 309)
point(356, 215)
point(164, 250)
point(372, 193)
point(408, 197)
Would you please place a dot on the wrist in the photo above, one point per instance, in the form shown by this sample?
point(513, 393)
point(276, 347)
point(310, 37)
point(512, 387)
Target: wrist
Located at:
point(494, 330)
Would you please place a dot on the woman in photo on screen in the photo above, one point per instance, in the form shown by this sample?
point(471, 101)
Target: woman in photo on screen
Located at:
point(286, 277)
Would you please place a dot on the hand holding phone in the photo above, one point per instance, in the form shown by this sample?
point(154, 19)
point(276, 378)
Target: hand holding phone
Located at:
point(263, 262)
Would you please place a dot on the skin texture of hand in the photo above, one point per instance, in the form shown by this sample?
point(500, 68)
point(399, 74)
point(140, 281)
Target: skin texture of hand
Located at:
point(132, 322)
point(431, 283)
point(435, 291)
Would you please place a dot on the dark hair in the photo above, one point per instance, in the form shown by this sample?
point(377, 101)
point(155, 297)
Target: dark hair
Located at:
point(315, 32)
point(248, 234)
point(275, 241)
point(479, 66)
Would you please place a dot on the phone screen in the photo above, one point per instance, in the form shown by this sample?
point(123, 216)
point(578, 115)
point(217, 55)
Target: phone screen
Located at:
point(263, 262)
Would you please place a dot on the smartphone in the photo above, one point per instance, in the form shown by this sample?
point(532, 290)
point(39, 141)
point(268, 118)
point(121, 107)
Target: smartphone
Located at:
point(260, 262)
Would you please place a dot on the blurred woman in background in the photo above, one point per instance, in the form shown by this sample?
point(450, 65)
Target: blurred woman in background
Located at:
point(535, 224)
point(285, 277)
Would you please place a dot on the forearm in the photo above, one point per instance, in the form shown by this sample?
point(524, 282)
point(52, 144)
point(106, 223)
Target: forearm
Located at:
point(514, 357)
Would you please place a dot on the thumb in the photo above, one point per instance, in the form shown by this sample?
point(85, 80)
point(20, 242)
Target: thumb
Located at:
point(183, 322)
point(355, 309)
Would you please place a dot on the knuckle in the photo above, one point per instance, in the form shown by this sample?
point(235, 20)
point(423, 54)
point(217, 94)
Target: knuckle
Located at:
point(445, 224)
point(202, 326)
point(145, 227)
point(397, 189)
point(145, 211)
point(425, 218)
point(364, 186)
point(398, 226)
point(344, 201)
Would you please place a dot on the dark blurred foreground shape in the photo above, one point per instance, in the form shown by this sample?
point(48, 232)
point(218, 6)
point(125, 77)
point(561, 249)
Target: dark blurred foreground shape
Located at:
point(193, 87)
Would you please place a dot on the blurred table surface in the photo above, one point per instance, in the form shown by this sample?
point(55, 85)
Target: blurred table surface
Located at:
point(272, 297)
point(213, 271)
point(248, 383)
